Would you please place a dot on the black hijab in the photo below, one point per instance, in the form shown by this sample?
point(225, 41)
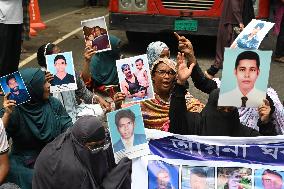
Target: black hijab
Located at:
point(216, 122)
point(66, 163)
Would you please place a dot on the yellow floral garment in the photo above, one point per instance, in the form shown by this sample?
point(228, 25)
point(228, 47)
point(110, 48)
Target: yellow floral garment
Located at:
point(156, 111)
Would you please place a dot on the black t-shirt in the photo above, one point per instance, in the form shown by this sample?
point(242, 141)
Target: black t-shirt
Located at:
point(66, 80)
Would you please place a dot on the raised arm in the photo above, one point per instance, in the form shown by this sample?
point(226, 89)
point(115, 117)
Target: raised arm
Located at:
point(8, 107)
point(86, 73)
point(200, 81)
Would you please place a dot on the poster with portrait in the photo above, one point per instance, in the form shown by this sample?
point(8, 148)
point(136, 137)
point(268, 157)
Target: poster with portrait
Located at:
point(127, 133)
point(162, 175)
point(268, 179)
point(252, 35)
point(234, 177)
point(244, 77)
point(135, 78)
point(194, 177)
point(204, 162)
point(96, 34)
point(14, 84)
point(61, 66)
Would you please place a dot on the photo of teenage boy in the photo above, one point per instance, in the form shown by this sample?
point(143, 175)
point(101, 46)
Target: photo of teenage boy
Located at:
point(125, 123)
point(16, 93)
point(246, 71)
point(61, 76)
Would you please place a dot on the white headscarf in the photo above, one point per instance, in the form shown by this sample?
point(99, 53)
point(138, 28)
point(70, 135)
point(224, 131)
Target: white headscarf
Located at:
point(154, 51)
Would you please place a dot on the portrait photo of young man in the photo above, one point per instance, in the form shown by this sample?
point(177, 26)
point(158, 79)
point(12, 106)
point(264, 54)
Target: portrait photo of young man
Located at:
point(61, 76)
point(14, 85)
point(246, 73)
point(125, 123)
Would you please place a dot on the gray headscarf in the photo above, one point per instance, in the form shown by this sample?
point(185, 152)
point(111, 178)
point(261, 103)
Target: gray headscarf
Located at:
point(154, 51)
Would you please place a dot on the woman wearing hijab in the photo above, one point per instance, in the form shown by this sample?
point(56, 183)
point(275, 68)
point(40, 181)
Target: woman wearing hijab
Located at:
point(81, 158)
point(100, 68)
point(248, 116)
point(32, 125)
point(212, 121)
point(163, 71)
point(70, 99)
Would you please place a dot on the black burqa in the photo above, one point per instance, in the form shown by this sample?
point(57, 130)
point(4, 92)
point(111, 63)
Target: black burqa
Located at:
point(210, 122)
point(66, 163)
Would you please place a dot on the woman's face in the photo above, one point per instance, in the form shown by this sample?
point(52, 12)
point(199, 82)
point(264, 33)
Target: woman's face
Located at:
point(46, 90)
point(165, 53)
point(163, 78)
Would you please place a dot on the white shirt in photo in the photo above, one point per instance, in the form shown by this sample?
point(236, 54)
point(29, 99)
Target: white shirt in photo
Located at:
point(233, 98)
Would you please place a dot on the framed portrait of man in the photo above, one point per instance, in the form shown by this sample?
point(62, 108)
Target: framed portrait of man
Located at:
point(244, 78)
point(62, 67)
point(128, 133)
point(14, 84)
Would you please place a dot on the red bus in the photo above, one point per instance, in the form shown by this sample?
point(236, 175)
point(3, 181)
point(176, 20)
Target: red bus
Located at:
point(197, 17)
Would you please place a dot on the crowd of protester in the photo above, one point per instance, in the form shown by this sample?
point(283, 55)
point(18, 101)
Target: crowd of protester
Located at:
point(52, 146)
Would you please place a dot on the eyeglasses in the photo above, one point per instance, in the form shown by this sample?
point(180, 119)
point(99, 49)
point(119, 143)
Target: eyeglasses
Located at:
point(164, 72)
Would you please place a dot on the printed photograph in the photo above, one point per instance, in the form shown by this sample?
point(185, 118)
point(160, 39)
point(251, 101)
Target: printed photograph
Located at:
point(96, 34)
point(244, 78)
point(135, 78)
point(61, 66)
point(14, 84)
point(268, 179)
point(198, 177)
point(234, 178)
point(252, 35)
point(127, 132)
point(162, 175)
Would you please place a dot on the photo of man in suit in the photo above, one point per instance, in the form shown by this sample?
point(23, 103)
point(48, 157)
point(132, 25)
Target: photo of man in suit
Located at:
point(17, 94)
point(125, 123)
point(246, 71)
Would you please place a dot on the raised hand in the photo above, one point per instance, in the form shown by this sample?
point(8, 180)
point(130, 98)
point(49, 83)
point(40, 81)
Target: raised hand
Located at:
point(264, 111)
point(48, 76)
point(183, 71)
point(185, 46)
point(118, 98)
point(89, 52)
point(8, 104)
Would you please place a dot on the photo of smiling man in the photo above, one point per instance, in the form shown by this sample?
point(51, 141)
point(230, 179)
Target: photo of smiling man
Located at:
point(249, 90)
